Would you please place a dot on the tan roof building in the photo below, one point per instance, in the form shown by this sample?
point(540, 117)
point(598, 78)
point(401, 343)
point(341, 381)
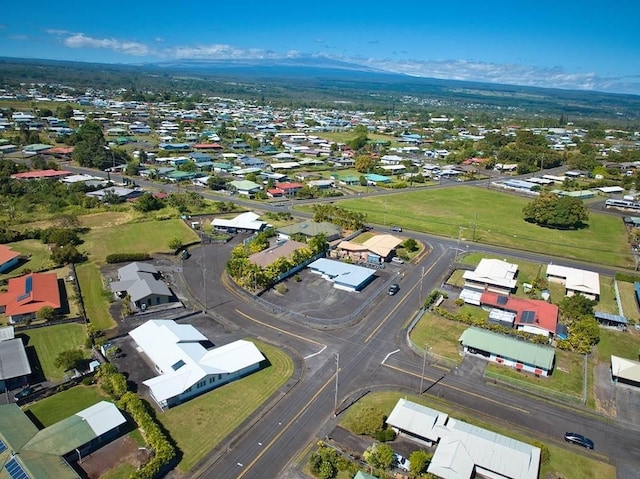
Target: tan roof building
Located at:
point(268, 256)
point(381, 245)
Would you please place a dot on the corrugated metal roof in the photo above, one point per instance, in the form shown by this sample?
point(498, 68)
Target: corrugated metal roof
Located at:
point(417, 419)
point(508, 347)
point(13, 359)
point(625, 368)
point(15, 427)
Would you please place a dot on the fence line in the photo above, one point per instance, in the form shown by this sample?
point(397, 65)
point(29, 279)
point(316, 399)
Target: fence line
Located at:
point(542, 391)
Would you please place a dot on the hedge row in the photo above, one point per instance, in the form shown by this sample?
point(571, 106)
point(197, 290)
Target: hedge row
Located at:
point(163, 450)
point(127, 257)
point(627, 277)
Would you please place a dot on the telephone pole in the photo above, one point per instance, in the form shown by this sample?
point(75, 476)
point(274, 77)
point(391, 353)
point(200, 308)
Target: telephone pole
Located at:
point(335, 404)
point(424, 363)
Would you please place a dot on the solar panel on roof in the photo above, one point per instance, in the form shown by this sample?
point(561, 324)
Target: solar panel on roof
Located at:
point(15, 470)
point(528, 317)
point(502, 300)
point(3, 446)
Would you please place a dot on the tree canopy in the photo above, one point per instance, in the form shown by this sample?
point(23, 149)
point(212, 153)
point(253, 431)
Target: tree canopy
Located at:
point(553, 211)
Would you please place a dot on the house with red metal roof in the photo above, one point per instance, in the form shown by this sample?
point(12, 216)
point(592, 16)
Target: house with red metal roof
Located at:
point(290, 189)
point(27, 294)
point(530, 315)
point(8, 258)
point(41, 175)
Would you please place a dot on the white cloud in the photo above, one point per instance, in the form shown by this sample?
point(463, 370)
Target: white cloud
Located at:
point(220, 52)
point(19, 37)
point(80, 40)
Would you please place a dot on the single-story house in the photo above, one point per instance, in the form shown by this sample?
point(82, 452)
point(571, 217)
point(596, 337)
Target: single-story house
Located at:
point(28, 452)
point(508, 351)
point(14, 363)
point(141, 281)
point(518, 185)
point(576, 281)
point(288, 165)
point(462, 450)
point(311, 229)
point(281, 249)
point(8, 258)
point(245, 222)
point(41, 175)
point(348, 277)
point(531, 315)
point(123, 193)
point(290, 188)
point(377, 249)
point(490, 275)
point(244, 187)
point(625, 371)
point(28, 294)
point(185, 366)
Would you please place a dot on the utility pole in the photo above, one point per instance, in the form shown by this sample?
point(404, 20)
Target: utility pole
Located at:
point(335, 407)
point(421, 281)
point(475, 223)
point(204, 280)
point(424, 363)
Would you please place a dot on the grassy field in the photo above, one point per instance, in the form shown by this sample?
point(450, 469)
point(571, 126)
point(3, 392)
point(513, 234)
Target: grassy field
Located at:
point(618, 343)
point(629, 301)
point(50, 341)
point(200, 424)
point(147, 237)
point(439, 334)
point(495, 218)
point(564, 463)
point(39, 257)
point(95, 301)
point(59, 406)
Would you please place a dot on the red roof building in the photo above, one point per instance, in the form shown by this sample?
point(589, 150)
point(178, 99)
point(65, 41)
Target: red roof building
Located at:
point(28, 294)
point(8, 258)
point(207, 146)
point(530, 315)
point(289, 188)
point(41, 175)
point(59, 151)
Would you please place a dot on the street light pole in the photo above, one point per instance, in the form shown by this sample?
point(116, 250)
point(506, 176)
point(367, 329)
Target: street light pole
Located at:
point(335, 406)
point(424, 363)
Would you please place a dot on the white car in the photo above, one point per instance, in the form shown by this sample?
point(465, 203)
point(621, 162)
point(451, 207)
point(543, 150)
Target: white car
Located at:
point(402, 462)
point(397, 260)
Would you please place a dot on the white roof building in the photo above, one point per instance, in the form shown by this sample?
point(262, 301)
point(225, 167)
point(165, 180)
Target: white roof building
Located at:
point(625, 370)
point(576, 281)
point(463, 449)
point(490, 275)
point(245, 221)
point(186, 367)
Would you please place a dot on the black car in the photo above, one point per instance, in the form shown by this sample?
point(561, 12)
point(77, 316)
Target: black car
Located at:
point(578, 439)
point(393, 289)
point(24, 393)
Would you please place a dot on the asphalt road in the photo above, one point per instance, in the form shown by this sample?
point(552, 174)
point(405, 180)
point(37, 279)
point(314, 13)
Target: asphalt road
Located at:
point(270, 446)
point(306, 412)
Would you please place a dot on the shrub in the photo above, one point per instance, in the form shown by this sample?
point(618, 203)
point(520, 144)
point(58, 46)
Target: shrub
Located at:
point(545, 453)
point(127, 257)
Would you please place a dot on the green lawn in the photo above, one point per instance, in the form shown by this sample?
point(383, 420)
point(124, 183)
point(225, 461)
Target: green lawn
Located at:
point(618, 343)
point(629, 301)
point(200, 424)
point(93, 294)
point(495, 218)
point(66, 403)
point(50, 341)
point(439, 334)
point(38, 261)
point(146, 237)
point(565, 463)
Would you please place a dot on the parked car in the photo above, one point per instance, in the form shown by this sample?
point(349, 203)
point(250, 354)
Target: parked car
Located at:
point(402, 462)
point(23, 393)
point(397, 260)
point(578, 439)
point(393, 289)
point(397, 229)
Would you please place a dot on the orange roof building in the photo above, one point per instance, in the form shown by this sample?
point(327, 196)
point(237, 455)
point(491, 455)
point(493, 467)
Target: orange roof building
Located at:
point(28, 294)
point(8, 258)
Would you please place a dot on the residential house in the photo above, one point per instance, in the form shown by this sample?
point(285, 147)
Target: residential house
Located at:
point(490, 275)
point(281, 249)
point(244, 222)
point(375, 250)
point(309, 229)
point(28, 294)
point(8, 258)
point(142, 283)
point(530, 315)
point(576, 281)
point(14, 363)
point(290, 188)
point(186, 366)
point(41, 175)
point(244, 187)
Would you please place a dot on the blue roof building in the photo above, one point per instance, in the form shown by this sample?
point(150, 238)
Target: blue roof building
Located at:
point(344, 276)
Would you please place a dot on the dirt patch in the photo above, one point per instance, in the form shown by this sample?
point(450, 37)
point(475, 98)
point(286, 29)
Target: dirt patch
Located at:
point(123, 450)
point(603, 390)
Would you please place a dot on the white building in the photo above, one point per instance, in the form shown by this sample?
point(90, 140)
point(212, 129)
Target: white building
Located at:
point(490, 275)
point(576, 281)
point(186, 368)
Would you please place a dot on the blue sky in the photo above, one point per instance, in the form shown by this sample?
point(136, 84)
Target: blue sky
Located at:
point(591, 45)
